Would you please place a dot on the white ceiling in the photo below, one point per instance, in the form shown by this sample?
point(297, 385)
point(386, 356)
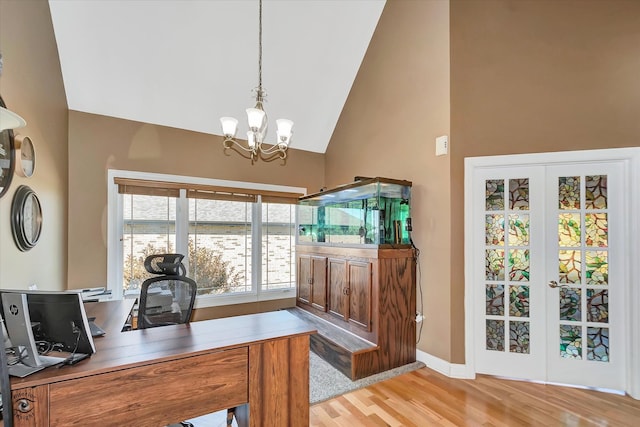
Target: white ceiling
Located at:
point(185, 64)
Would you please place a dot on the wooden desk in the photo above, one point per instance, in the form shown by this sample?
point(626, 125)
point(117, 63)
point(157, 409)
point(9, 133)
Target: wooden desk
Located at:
point(154, 377)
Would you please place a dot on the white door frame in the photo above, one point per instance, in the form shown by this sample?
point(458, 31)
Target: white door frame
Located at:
point(630, 158)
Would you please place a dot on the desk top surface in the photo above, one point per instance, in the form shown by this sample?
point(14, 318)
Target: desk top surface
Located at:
point(122, 350)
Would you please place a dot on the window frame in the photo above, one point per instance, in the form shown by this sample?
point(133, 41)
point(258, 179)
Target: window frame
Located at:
point(115, 223)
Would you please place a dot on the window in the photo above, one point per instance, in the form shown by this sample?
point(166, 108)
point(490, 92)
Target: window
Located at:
point(278, 244)
point(220, 245)
point(148, 228)
point(238, 238)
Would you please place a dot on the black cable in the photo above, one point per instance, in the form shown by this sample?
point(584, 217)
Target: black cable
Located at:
point(13, 357)
point(416, 257)
point(72, 359)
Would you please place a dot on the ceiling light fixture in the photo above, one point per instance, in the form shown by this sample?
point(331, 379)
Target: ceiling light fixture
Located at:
point(10, 120)
point(257, 119)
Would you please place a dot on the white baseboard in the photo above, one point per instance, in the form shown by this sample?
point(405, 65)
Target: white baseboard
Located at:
point(452, 370)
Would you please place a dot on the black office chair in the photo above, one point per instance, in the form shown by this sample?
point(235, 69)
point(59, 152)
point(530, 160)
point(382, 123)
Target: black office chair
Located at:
point(166, 299)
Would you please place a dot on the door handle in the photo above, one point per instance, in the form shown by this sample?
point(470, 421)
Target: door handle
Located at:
point(553, 284)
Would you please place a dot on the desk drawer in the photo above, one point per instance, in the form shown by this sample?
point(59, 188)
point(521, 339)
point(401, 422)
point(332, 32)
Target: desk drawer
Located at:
point(153, 395)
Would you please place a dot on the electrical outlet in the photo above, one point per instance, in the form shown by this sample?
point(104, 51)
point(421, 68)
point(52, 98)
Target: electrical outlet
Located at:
point(419, 317)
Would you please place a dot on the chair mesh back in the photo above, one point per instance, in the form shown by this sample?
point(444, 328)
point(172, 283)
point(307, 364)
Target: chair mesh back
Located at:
point(166, 299)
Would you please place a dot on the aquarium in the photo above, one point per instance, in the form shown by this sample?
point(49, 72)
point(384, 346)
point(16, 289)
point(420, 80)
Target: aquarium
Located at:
point(369, 211)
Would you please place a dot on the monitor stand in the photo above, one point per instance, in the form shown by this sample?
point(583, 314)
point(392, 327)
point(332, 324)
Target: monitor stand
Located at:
point(21, 370)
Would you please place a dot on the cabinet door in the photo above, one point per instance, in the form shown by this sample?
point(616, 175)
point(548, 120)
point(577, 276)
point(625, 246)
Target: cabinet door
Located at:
point(338, 300)
point(319, 282)
point(360, 281)
point(304, 279)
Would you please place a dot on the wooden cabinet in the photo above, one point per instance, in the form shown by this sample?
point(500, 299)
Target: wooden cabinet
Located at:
point(349, 288)
point(365, 291)
point(312, 281)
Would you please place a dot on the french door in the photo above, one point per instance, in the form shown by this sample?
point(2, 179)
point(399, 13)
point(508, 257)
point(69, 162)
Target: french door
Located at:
point(548, 271)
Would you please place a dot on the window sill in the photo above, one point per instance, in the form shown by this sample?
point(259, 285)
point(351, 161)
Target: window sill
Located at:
point(220, 300)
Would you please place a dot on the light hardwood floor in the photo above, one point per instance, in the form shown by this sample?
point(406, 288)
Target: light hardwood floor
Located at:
point(425, 397)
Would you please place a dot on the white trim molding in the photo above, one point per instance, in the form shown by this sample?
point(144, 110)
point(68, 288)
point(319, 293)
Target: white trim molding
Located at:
point(451, 370)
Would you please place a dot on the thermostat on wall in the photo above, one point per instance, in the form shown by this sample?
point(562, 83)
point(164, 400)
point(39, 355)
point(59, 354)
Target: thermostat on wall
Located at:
point(442, 145)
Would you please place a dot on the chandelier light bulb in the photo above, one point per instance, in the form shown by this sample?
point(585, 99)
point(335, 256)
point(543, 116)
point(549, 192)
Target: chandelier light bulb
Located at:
point(284, 131)
point(251, 139)
point(229, 126)
point(255, 117)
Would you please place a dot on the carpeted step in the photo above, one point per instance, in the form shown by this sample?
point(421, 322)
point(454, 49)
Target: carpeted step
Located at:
point(337, 346)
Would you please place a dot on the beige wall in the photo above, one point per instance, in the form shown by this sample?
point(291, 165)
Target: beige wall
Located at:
point(397, 106)
point(537, 76)
point(31, 85)
point(98, 143)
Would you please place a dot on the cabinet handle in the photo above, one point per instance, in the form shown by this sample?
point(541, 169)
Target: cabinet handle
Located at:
point(346, 291)
point(554, 284)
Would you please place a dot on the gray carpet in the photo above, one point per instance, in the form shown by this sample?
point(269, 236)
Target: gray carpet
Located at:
point(326, 382)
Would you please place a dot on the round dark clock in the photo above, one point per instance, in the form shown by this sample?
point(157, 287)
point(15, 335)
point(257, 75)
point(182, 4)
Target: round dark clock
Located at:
point(7, 157)
point(26, 218)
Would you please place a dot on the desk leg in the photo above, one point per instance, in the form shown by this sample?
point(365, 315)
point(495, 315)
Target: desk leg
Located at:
point(278, 384)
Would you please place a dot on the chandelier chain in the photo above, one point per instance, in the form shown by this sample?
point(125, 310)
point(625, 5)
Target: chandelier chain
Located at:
point(260, 49)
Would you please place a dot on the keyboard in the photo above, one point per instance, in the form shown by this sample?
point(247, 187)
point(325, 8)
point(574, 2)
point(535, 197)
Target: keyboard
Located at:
point(96, 331)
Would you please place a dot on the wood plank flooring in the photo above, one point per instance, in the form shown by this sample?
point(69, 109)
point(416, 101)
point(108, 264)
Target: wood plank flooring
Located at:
point(425, 398)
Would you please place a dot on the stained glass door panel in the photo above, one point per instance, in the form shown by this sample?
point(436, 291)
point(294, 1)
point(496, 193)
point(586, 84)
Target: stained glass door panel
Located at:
point(585, 299)
point(511, 316)
point(547, 265)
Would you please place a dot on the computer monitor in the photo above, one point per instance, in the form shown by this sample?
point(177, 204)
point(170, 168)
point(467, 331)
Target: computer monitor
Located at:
point(19, 326)
point(56, 317)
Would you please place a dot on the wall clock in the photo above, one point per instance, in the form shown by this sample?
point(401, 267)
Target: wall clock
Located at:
point(26, 218)
point(7, 157)
point(25, 156)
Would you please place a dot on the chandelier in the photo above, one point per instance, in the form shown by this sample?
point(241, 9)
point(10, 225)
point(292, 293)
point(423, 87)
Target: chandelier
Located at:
point(257, 119)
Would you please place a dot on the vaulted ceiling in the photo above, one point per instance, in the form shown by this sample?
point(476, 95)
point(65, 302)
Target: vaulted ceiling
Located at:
point(185, 64)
